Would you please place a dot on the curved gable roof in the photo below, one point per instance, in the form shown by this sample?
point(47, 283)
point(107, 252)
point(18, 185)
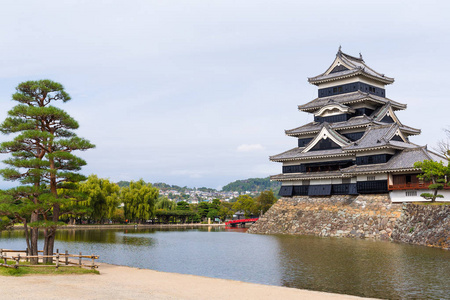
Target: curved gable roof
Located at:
point(345, 65)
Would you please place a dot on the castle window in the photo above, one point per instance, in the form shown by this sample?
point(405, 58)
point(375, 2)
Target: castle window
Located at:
point(337, 89)
point(411, 193)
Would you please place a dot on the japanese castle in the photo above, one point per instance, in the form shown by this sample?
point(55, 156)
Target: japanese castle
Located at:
point(356, 144)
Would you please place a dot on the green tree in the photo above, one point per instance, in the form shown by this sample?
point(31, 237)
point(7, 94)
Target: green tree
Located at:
point(42, 156)
point(225, 211)
point(4, 222)
point(118, 216)
point(435, 172)
point(164, 203)
point(265, 200)
point(203, 209)
point(182, 205)
point(102, 197)
point(215, 204)
point(213, 210)
point(246, 204)
point(139, 200)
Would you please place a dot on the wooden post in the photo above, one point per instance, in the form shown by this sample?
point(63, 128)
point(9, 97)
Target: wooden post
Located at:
point(93, 262)
point(79, 260)
point(67, 257)
point(26, 253)
point(17, 260)
point(57, 260)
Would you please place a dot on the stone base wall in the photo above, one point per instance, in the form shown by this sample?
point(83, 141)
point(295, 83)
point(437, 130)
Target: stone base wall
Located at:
point(371, 216)
point(427, 225)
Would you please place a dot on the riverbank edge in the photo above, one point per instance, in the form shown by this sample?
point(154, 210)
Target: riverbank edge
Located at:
point(131, 226)
point(124, 282)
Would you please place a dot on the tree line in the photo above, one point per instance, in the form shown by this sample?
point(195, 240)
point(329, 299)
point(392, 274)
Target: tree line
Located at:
point(101, 201)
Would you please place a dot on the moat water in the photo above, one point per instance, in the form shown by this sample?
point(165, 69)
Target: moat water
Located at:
point(348, 266)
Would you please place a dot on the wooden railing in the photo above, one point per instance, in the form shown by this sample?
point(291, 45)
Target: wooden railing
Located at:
point(59, 259)
point(413, 186)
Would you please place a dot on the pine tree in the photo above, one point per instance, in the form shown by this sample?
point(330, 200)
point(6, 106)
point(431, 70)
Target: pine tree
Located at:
point(435, 172)
point(42, 159)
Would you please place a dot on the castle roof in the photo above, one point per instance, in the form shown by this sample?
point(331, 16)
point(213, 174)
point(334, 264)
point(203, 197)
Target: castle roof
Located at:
point(352, 123)
point(401, 162)
point(345, 66)
point(349, 98)
point(380, 136)
point(327, 132)
point(298, 154)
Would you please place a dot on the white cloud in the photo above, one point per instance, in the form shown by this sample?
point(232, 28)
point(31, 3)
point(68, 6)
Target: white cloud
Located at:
point(249, 147)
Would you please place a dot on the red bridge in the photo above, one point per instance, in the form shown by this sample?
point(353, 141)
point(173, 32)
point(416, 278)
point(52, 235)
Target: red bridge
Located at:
point(242, 222)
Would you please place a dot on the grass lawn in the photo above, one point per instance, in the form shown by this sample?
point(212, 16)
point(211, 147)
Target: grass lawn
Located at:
point(44, 271)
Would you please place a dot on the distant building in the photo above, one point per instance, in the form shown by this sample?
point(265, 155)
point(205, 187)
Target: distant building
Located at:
point(356, 144)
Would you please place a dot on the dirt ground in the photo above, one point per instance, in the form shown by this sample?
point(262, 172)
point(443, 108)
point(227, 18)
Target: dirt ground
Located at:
point(118, 282)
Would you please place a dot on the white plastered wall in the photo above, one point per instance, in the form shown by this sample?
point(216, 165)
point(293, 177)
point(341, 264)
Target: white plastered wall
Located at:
point(414, 196)
point(377, 177)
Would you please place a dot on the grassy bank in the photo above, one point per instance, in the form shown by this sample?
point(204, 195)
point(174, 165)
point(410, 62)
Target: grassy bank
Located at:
point(40, 270)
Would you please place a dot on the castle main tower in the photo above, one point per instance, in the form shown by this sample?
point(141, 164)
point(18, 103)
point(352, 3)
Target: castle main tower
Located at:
point(356, 144)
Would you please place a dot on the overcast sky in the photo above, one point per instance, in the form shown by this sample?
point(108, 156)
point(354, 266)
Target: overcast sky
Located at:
point(199, 93)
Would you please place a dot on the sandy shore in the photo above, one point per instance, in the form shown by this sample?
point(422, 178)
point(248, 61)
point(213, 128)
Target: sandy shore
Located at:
point(118, 282)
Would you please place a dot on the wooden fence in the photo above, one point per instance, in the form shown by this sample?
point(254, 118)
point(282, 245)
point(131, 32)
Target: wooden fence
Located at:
point(59, 259)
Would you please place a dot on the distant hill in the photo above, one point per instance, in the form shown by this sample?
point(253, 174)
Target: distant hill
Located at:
point(123, 183)
point(252, 185)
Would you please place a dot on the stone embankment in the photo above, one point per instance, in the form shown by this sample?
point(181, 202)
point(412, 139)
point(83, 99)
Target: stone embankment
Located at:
point(427, 225)
point(360, 216)
point(363, 216)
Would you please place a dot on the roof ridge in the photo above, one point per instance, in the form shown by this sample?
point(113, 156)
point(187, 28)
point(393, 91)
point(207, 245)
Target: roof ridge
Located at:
point(391, 132)
point(307, 124)
point(340, 52)
point(360, 59)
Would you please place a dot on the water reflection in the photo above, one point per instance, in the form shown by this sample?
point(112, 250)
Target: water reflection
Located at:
point(358, 267)
point(365, 268)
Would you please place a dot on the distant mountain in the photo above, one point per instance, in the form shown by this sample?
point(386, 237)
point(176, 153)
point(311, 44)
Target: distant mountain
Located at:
point(253, 185)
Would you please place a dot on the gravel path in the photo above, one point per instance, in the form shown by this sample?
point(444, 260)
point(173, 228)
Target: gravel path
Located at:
point(118, 282)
